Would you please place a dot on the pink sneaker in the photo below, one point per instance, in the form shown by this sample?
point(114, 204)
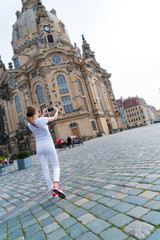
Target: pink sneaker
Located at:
point(54, 194)
point(59, 192)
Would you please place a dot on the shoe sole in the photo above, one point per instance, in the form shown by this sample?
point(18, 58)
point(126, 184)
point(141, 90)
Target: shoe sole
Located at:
point(59, 193)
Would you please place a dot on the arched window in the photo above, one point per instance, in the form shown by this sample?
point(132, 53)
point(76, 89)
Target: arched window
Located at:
point(67, 104)
point(97, 90)
point(50, 38)
point(98, 96)
point(94, 125)
point(18, 104)
point(19, 109)
point(62, 84)
point(40, 95)
point(81, 87)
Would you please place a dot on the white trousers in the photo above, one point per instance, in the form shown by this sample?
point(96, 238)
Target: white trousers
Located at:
point(44, 151)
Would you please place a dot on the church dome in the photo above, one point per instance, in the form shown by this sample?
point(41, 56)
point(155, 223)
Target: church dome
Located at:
point(31, 25)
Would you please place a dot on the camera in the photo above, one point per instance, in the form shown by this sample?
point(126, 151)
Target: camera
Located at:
point(51, 109)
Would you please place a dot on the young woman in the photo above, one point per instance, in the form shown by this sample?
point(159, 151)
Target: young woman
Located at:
point(45, 147)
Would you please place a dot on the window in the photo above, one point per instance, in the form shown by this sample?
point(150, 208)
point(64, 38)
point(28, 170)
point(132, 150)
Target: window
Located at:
point(18, 104)
point(73, 125)
point(98, 96)
point(94, 125)
point(40, 95)
point(56, 60)
point(18, 33)
point(81, 87)
point(62, 84)
point(100, 103)
point(67, 104)
point(97, 90)
point(50, 38)
point(21, 118)
point(16, 62)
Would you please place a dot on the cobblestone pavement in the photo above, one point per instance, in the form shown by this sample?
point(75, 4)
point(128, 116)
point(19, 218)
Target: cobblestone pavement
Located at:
point(112, 185)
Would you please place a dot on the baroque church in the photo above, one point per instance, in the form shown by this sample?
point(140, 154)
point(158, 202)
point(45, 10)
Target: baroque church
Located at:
point(50, 71)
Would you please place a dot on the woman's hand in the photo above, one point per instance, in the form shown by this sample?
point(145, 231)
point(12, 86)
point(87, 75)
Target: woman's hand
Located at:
point(51, 119)
point(44, 112)
point(56, 109)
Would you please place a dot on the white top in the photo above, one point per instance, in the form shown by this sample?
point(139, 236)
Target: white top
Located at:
point(42, 133)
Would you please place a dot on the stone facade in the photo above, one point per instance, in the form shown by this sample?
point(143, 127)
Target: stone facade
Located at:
point(49, 70)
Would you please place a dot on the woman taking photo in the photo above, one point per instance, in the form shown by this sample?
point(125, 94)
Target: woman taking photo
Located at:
point(45, 147)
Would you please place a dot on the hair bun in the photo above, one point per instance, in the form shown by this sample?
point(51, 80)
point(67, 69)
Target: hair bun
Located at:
point(29, 115)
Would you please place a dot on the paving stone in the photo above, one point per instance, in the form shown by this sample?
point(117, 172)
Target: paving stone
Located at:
point(119, 196)
point(152, 217)
point(153, 205)
point(96, 197)
point(51, 227)
point(139, 229)
point(143, 186)
point(78, 212)
point(148, 194)
point(46, 221)
point(58, 234)
point(112, 203)
point(138, 212)
point(136, 200)
point(104, 200)
point(89, 205)
point(88, 236)
point(68, 222)
point(15, 235)
point(36, 236)
point(112, 233)
point(124, 207)
point(135, 192)
point(3, 236)
point(155, 235)
point(56, 212)
point(98, 226)
point(86, 218)
point(61, 217)
point(32, 229)
point(42, 217)
point(76, 230)
point(120, 220)
point(81, 201)
point(98, 209)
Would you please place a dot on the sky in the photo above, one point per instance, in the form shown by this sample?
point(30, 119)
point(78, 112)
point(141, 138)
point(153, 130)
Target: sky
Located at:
point(124, 34)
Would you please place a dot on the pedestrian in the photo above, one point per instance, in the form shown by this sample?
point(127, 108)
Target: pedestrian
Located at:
point(45, 147)
point(69, 140)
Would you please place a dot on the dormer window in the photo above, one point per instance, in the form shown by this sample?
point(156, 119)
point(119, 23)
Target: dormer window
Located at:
point(50, 38)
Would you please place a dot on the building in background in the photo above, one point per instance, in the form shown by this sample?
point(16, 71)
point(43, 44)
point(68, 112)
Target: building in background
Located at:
point(48, 70)
point(135, 112)
point(119, 103)
point(158, 114)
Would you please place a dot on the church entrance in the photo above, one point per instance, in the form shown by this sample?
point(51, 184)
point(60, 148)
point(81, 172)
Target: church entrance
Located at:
point(74, 129)
point(109, 126)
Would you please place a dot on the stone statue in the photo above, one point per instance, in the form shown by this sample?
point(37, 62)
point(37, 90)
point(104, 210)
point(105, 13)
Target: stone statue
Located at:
point(2, 68)
point(86, 49)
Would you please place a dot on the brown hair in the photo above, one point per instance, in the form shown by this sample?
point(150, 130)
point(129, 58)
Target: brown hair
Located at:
point(30, 112)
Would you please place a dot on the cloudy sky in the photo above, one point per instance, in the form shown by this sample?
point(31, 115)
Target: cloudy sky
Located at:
point(124, 34)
